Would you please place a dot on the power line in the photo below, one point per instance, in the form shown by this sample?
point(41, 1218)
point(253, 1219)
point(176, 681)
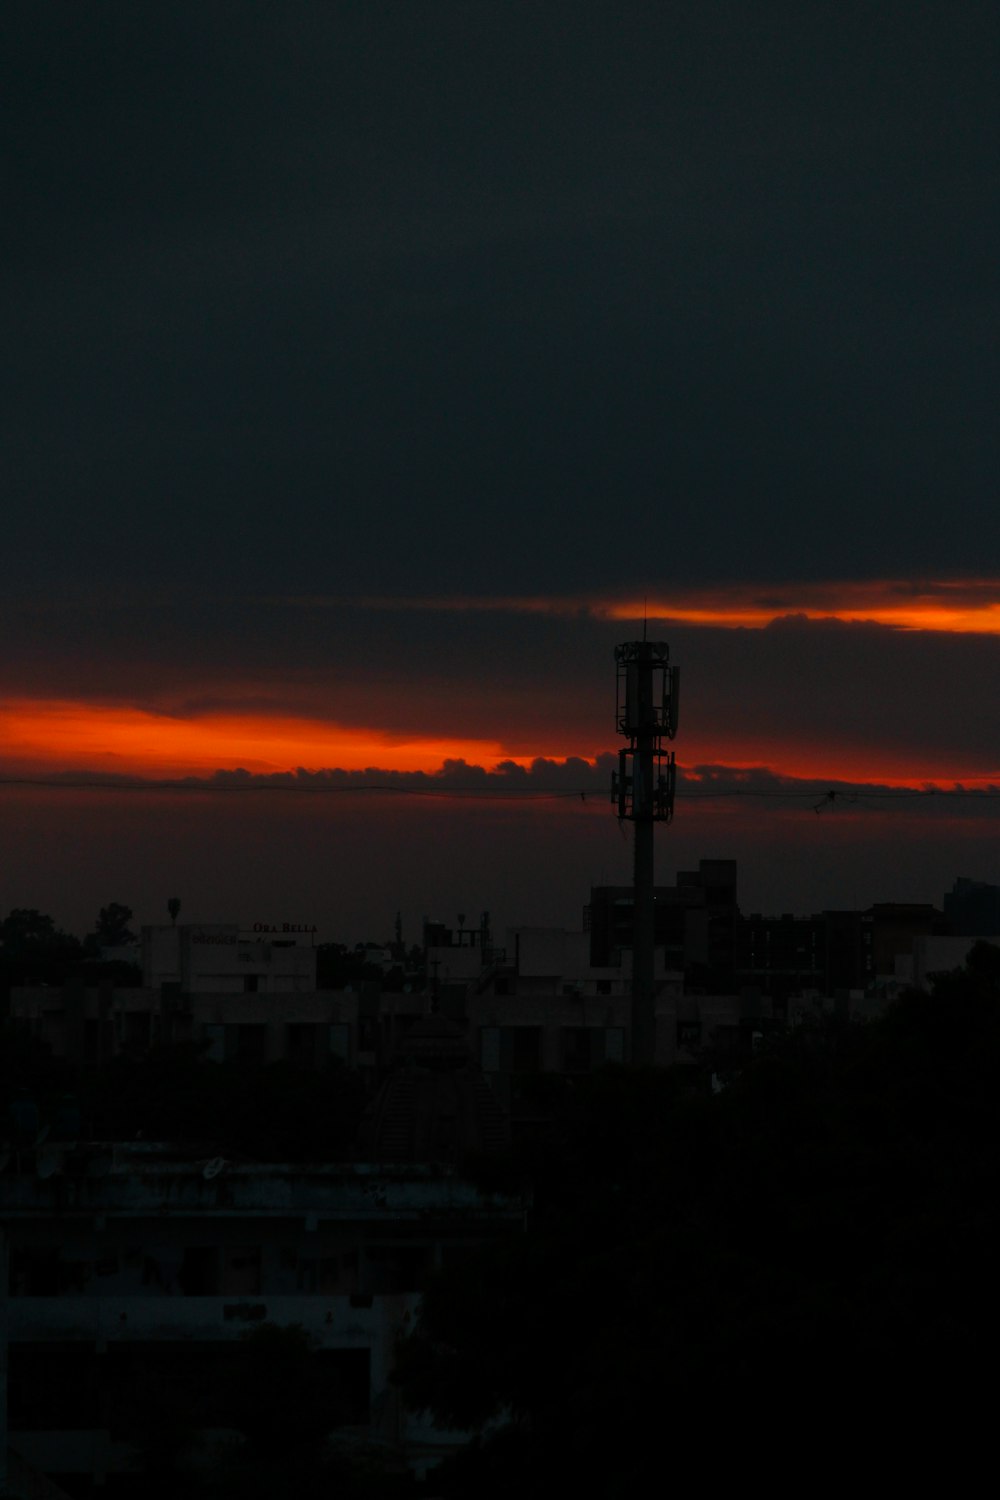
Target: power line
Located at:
point(835, 796)
point(466, 794)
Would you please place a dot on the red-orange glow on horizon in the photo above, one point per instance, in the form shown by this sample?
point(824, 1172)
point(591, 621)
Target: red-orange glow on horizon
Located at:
point(956, 606)
point(969, 607)
point(40, 737)
point(858, 764)
point(87, 737)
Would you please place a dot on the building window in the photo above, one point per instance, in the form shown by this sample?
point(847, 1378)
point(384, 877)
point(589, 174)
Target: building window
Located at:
point(614, 1044)
point(301, 1043)
point(248, 1041)
point(489, 1049)
point(339, 1038)
point(241, 1271)
point(346, 1375)
point(199, 1273)
point(215, 1036)
point(688, 1035)
point(53, 1385)
point(135, 1030)
point(319, 1275)
point(525, 1048)
point(578, 1048)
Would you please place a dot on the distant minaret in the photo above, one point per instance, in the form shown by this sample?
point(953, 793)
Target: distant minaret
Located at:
point(643, 788)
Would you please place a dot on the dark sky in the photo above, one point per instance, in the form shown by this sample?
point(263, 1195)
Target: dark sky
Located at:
point(510, 297)
point(321, 303)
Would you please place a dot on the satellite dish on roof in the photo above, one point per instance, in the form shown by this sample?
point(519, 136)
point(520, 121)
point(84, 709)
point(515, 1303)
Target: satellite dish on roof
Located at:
point(214, 1167)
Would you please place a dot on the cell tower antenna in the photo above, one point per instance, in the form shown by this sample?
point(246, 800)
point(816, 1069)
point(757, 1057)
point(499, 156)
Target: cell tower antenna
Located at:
point(643, 789)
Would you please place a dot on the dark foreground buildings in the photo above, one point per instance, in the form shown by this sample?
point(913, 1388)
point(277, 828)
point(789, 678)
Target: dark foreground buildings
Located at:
point(129, 1261)
point(132, 1269)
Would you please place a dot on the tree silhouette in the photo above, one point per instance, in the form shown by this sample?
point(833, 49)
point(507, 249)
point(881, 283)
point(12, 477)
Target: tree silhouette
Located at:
point(801, 1268)
point(112, 929)
point(26, 929)
point(33, 950)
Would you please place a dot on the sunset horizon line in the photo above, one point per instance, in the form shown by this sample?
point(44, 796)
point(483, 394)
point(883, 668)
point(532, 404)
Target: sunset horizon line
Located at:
point(63, 739)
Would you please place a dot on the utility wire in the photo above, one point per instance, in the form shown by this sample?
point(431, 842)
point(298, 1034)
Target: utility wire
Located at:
point(831, 798)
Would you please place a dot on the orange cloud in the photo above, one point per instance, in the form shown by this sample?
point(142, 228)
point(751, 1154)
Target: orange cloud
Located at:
point(961, 606)
point(42, 736)
point(964, 606)
point(83, 736)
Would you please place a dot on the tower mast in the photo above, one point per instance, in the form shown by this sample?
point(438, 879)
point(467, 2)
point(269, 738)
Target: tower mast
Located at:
point(643, 788)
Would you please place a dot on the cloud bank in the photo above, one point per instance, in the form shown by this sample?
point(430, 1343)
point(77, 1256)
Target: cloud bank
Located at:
point(573, 779)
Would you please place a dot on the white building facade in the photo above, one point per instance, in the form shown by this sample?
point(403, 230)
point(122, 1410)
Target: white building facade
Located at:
point(225, 958)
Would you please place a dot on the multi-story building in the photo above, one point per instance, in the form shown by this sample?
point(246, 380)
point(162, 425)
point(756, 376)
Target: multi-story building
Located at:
point(694, 923)
point(889, 931)
point(549, 1009)
point(224, 958)
point(91, 1025)
point(129, 1261)
point(782, 956)
point(930, 956)
point(832, 953)
point(244, 992)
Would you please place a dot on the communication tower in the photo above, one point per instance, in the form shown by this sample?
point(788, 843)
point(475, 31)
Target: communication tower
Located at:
point(643, 789)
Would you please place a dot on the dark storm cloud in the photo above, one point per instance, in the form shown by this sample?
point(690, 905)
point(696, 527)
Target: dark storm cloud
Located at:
point(497, 297)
